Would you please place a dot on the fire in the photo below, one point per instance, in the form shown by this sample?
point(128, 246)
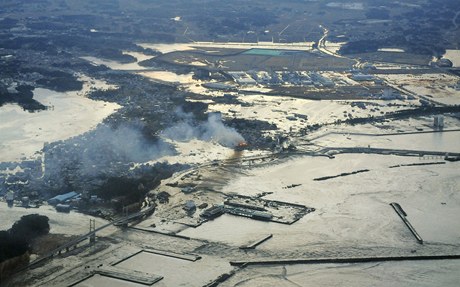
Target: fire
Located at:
point(241, 146)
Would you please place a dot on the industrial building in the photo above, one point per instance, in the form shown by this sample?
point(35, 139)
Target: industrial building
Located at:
point(62, 198)
point(242, 78)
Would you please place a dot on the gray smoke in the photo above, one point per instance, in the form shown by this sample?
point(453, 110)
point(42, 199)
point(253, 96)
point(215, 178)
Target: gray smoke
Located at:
point(211, 130)
point(124, 144)
point(105, 150)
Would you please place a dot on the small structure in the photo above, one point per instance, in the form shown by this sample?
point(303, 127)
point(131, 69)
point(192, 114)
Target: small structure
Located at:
point(362, 77)
point(188, 189)
point(219, 86)
point(213, 212)
point(63, 208)
point(62, 198)
point(242, 78)
point(389, 94)
point(190, 206)
point(25, 201)
point(320, 80)
point(9, 197)
point(438, 122)
point(442, 63)
point(163, 197)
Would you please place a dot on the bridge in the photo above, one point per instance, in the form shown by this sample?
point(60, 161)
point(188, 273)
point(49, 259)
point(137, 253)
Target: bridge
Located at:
point(90, 235)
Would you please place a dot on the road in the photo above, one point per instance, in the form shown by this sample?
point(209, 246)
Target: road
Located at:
point(86, 236)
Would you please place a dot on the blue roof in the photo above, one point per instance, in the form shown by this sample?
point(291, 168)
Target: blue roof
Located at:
point(64, 197)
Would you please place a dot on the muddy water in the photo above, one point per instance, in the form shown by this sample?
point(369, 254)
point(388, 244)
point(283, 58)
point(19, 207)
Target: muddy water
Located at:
point(177, 272)
point(350, 211)
point(402, 274)
point(443, 141)
point(102, 281)
point(454, 56)
point(234, 230)
point(170, 77)
point(68, 114)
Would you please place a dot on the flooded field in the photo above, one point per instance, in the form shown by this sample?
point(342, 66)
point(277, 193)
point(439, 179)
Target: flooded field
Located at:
point(350, 211)
point(72, 223)
point(167, 48)
point(436, 141)
point(69, 114)
point(437, 87)
point(114, 65)
point(403, 274)
point(235, 230)
point(454, 56)
point(170, 77)
point(101, 281)
point(177, 272)
point(352, 216)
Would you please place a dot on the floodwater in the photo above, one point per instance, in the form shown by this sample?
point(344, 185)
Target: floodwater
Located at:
point(402, 274)
point(436, 141)
point(167, 48)
point(101, 281)
point(235, 230)
point(114, 65)
point(351, 210)
point(69, 114)
point(454, 56)
point(177, 272)
point(72, 223)
point(170, 77)
point(394, 50)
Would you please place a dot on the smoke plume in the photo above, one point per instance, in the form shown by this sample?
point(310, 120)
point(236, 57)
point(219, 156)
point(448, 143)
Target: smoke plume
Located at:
point(105, 150)
point(211, 130)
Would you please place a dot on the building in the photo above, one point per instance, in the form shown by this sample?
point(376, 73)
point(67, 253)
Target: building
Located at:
point(63, 208)
point(213, 212)
point(320, 80)
point(62, 198)
point(438, 122)
point(389, 94)
point(243, 79)
point(9, 197)
point(362, 77)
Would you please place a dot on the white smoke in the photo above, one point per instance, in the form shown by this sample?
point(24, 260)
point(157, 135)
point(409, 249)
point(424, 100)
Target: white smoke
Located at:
point(211, 130)
point(103, 150)
point(125, 143)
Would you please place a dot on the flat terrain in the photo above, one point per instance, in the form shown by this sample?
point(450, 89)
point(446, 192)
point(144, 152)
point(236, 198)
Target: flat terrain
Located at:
point(216, 134)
